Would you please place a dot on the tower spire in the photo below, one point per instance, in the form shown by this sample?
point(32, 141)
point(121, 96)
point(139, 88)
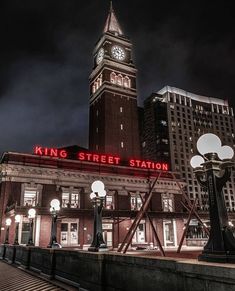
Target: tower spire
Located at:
point(112, 24)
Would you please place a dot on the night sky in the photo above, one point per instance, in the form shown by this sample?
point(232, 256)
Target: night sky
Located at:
point(46, 57)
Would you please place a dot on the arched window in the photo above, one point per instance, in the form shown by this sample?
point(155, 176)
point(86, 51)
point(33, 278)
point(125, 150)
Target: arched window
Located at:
point(93, 88)
point(119, 80)
point(126, 82)
point(100, 80)
point(113, 78)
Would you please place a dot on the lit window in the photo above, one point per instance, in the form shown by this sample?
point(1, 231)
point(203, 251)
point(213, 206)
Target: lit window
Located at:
point(113, 78)
point(97, 112)
point(167, 204)
point(163, 122)
point(109, 202)
point(136, 202)
point(97, 129)
point(120, 80)
point(122, 144)
point(70, 198)
point(121, 126)
point(126, 82)
point(121, 109)
point(65, 200)
point(30, 197)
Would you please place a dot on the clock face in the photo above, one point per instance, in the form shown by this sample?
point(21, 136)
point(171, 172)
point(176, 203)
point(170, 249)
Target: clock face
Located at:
point(118, 53)
point(100, 56)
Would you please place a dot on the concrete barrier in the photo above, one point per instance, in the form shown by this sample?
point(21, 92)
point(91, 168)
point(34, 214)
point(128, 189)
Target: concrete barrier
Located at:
point(2, 252)
point(42, 261)
point(111, 271)
point(10, 253)
point(22, 256)
point(80, 267)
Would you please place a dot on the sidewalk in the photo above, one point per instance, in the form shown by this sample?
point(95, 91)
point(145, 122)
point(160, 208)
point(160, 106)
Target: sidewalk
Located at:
point(14, 279)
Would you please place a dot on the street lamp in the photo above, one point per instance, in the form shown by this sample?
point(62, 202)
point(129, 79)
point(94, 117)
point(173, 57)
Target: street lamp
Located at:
point(212, 170)
point(31, 216)
point(17, 221)
point(97, 197)
point(55, 207)
point(8, 224)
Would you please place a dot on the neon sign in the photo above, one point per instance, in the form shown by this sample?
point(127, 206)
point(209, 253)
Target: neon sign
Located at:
point(148, 165)
point(50, 152)
point(101, 159)
point(97, 158)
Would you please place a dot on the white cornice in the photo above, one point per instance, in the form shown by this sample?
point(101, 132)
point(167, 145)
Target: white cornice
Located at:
point(59, 177)
point(193, 96)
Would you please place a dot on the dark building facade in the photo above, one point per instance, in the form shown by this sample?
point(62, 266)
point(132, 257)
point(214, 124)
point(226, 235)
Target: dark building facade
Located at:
point(173, 121)
point(113, 126)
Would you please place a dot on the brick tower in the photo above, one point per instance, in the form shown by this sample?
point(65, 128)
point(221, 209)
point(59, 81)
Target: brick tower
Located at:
point(113, 127)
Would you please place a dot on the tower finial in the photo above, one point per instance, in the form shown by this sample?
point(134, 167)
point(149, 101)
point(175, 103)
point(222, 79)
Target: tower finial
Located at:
point(111, 24)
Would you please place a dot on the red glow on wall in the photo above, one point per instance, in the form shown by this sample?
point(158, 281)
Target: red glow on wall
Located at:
point(50, 152)
point(97, 158)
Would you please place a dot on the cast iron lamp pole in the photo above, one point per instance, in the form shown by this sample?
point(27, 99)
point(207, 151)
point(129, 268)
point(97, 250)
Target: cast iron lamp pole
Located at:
point(97, 197)
point(55, 208)
point(17, 221)
point(8, 224)
point(31, 216)
point(212, 171)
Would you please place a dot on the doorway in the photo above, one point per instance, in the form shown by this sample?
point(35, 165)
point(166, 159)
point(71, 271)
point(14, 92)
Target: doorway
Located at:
point(69, 232)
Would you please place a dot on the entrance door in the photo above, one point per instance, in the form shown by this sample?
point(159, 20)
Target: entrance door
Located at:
point(108, 234)
point(139, 236)
point(169, 233)
point(69, 233)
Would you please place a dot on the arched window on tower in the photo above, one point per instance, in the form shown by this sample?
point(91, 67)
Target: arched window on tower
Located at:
point(100, 80)
point(119, 80)
point(113, 78)
point(93, 89)
point(127, 82)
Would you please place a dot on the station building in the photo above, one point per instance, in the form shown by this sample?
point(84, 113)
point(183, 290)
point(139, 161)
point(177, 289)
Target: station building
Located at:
point(33, 180)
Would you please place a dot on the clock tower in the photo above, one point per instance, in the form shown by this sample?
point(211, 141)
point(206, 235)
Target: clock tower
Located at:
point(113, 124)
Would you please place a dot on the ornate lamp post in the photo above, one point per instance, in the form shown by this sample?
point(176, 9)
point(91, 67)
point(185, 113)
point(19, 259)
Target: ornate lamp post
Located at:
point(31, 216)
point(97, 197)
point(213, 170)
point(17, 222)
point(55, 208)
point(8, 224)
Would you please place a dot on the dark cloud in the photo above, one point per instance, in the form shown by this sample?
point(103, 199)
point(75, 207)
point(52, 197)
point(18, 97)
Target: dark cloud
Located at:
point(46, 58)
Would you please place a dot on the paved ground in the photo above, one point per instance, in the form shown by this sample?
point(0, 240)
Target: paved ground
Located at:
point(14, 279)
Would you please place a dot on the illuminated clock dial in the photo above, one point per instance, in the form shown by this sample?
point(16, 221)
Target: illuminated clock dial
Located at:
point(100, 56)
point(118, 53)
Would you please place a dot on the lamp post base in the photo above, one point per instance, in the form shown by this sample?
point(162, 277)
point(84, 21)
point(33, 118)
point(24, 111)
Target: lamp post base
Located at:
point(54, 245)
point(217, 257)
point(101, 248)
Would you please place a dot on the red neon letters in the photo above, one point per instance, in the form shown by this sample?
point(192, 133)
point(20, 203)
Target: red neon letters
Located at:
point(100, 158)
point(51, 152)
point(96, 158)
point(148, 165)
